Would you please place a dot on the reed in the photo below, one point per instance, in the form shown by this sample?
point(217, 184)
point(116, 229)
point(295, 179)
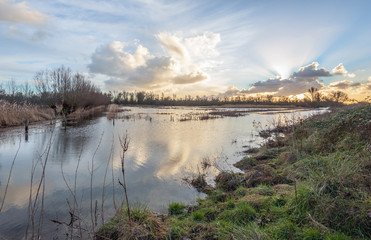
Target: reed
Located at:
point(112, 111)
point(13, 114)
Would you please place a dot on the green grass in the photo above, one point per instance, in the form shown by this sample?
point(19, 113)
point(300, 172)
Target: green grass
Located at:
point(176, 208)
point(315, 185)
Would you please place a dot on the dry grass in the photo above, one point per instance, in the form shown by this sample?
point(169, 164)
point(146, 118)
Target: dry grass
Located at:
point(144, 225)
point(82, 114)
point(12, 114)
point(112, 111)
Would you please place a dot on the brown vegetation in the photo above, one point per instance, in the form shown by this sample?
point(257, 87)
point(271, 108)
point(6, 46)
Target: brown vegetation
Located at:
point(112, 111)
point(13, 114)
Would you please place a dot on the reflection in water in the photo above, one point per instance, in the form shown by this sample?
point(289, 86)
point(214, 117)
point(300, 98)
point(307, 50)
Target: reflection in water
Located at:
point(163, 149)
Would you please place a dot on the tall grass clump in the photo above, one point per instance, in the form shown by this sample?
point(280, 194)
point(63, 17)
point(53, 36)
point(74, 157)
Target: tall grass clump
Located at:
point(143, 224)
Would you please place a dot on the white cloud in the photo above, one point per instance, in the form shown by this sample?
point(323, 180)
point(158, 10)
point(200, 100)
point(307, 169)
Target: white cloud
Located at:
point(190, 50)
point(186, 62)
point(203, 46)
point(173, 44)
point(339, 70)
point(112, 60)
point(20, 12)
point(352, 75)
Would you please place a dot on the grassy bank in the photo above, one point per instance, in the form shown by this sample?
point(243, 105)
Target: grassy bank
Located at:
point(310, 180)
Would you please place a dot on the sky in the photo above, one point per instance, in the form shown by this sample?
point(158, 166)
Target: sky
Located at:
point(209, 47)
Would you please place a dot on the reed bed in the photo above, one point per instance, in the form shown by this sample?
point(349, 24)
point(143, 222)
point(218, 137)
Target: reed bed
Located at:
point(112, 111)
point(82, 114)
point(12, 114)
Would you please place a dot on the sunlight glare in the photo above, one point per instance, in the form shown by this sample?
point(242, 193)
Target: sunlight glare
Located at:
point(300, 96)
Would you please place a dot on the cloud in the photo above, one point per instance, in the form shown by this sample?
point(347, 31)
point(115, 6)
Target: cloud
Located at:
point(11, 11)
point(185, 62)
point(173, 45)
point(297, 83)
point(203, 46)
point(190, 78)
point(352, 75)
point(357, 90)
point(339, 70)
point(311, 71)
point(112, 60)
point(344, 84)
point(285, 87)
point(305, 78)
point(191, 49)
point(231, 91)
point(40, 35)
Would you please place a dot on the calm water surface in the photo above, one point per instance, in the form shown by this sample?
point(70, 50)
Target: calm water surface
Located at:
point(163, 150)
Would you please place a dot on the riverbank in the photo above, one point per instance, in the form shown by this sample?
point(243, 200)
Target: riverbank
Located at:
point(309, 180)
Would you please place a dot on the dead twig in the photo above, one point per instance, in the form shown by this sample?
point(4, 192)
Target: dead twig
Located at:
point(125, 146)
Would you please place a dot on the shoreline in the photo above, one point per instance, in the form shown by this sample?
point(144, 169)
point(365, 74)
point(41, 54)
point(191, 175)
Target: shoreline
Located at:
point(265, 107)
point(277, 196)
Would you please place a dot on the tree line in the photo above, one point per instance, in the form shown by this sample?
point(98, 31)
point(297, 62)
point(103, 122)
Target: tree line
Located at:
point(313, 98)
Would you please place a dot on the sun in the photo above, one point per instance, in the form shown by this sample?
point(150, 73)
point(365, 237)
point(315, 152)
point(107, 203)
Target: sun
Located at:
point(282, 71)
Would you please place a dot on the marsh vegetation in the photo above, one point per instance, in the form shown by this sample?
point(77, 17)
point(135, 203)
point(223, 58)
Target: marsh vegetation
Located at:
point(310, 183)
point(74, 174)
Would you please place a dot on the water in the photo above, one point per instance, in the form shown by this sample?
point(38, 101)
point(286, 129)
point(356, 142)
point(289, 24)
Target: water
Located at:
point(164, 148)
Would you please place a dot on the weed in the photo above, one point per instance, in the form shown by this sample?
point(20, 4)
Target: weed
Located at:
point(240, 215)
point(198, 216)
point(176, 208)
point(283, 229)
point(228, 181)
point(246, 163)
point(312, 234)
point(217, 196)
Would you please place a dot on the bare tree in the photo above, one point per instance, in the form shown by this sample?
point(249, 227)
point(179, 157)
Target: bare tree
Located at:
point(338, 96)
point(312, 91)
